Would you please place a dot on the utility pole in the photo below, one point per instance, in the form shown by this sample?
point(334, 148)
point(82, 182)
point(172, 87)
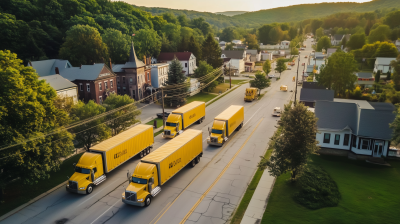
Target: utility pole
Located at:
point(230, 79)
point(163, 116)
point(297, 79)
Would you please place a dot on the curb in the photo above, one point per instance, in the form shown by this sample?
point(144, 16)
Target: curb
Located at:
point(19, 208)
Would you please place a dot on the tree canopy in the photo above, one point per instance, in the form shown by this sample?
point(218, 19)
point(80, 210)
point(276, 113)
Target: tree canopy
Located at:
point(260, 82)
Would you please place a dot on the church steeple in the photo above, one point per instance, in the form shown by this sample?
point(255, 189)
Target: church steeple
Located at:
point(133, 62)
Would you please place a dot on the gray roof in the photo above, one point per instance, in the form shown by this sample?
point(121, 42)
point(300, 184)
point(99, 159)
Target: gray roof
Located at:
point(235, 54)
point(366, 119)
point(338, 36)
point(310, 68)
point(58, 82)
point(252, 51)
point(331, 50)
point(384, 61)
point(48, 67)
point(86, 72)
point(133, 61)
point(312, 95)
point(365, 75)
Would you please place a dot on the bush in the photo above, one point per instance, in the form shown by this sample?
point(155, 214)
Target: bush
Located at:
point(318, 189)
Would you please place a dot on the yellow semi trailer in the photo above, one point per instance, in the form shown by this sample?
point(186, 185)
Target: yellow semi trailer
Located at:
point(183, 117)
point(225, 124)
point(251, 94)
point(161, 165)
point(104, 157)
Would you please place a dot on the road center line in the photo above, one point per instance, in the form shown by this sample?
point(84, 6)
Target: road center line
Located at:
point(105, 211)
point(219, 176)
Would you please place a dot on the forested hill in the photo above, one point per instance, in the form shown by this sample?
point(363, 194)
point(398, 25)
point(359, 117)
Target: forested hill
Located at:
point(231, 13)
point(308, 11)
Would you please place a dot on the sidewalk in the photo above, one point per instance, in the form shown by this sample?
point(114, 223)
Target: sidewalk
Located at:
point(259, 201)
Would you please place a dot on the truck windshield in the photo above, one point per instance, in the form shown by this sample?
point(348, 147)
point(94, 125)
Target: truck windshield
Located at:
point(215, 131)
point(139, 180)
point(82, 170)
point(171, 124)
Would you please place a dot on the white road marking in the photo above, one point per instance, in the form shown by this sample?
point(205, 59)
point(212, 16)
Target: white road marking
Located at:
point(105, 212)
point(96, 193)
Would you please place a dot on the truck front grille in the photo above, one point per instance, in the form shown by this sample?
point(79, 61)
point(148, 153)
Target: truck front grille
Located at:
point(73, 185)
point(167, 132)
point(130, 196)
point(213, 139)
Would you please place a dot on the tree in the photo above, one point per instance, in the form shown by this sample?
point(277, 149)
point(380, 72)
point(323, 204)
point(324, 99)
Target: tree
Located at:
point(83, 45)
point(173, 33)
point(124, 118)
point(176, 97)
point(275, 35)
point(260, 82)
point(203, 70)
point(211, 52)
point(263, 34)
point(392, 19)
point(148, 43)
point(396, 74)
point(378, 76)
point(229, 47)
point(118, 45)
point(386, 49)
point(158, 22)
point(280, 66)
point(267, 67)
point(228, 34)
point(315, 24)
point(183, 20)
point(389, 73)
point(92, 132)
point(319, 32)
point(252, 42)
point(357, 41)
point(344, 42)
point(170, 18)
point(338, 74)
point(296, 142)
point(323, 43)
point(194, 47)
point(380, 33)
point(292, 32)
point(27, 112)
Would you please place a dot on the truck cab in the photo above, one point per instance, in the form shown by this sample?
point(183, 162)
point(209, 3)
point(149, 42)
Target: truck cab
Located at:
point(173, 126)
point(143, 185)
point(217, 133)
point(88, 172)
point(250, 94)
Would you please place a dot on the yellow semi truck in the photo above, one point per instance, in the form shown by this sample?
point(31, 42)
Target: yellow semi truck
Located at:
point(104, 157)
point(225, 124)
point(161, 165)
point(183, 117)
point(251, 94)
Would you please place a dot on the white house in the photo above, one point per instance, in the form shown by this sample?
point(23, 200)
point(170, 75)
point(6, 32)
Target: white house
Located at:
point(355, 126)
point(383, 65)
point(285, 44)
point(237, 59)
point(222, 43)
point(159, 74)
point(266, 56)
point(336, 39)
point(237, 41)
point(254, 55)
point(63, 87)
point(366, 79)
point(187, 59)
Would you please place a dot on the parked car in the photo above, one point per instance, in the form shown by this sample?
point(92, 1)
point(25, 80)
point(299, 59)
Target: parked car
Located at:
point(160, 115)
point(277, 112)
point(289, 68)
point(306, 56)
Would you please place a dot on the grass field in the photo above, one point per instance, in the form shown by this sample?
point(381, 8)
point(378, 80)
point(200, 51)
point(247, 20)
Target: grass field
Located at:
point(370, 194)
point(234, 81)
point(205, 97)
point(159, 122)
point(18, 194)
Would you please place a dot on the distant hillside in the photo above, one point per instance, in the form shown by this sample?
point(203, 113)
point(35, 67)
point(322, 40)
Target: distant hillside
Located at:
point(231, 13)
point(307, 11)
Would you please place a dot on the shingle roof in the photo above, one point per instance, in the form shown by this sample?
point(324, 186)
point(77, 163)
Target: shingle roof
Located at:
point(384, 61)
point(367, 119)
point(48, 67)
point(338, 37)
point(237, 54)
point(312, 95)
point(58, 82)
point(252, 51)
point(87, 72)
point(365, 75)
point(133, 62)
point(331, 50)
point(169, 56)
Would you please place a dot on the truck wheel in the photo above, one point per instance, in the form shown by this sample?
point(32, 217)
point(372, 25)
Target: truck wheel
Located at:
point(148, 150)
point(197, 159)
point(147, 201)
point(141, 154)
point(89, 189)
point(193, 163)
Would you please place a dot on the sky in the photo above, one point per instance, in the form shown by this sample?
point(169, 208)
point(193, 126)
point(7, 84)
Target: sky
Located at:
point(227, 5)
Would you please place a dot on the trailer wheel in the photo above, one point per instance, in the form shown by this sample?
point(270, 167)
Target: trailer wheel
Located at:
point(141, 154)
point(89, 189)
point(193, 163)
point(197, 159)
point(147, 201)
point(148, 150)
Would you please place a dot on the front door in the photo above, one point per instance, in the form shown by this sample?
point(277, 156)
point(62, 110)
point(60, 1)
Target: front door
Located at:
point(378, 148)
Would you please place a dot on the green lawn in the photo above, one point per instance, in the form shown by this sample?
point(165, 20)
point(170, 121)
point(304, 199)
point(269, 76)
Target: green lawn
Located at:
point(159, 122)
point(221, 88)
point(18, 194)
point(205, 97)
point(370, 194)
point(234, 81)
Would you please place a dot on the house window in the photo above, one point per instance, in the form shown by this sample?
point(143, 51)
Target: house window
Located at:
point(100, 86)
point(354, 142)
point(346, 139)
point(133, 94)
point(124, 89)
point(111, 83)
point(117, 80)
point(337, 139)
point(327, 138)
point(88, 87)
point(105, 85)
point(185, 65)
point(365, 144)
point(80, 86)
point(100, 99)
point(130, 80)
point(123, 80)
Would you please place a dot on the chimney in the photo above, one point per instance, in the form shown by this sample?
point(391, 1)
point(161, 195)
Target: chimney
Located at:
point(57, 70)
point(110, 64)
point(144, 57)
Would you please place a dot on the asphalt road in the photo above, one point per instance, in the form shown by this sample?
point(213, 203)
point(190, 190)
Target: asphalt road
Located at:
point(207, 193)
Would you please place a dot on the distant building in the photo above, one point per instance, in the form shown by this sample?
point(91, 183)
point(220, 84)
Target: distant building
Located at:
point(338, 38)
point(254, 55)
point(63, 87)
point(159, 74)
point(309, 96)
point(237, 42)
point(330, 51)
point(285, 44)
point(365, 79)
point(237, 59)
point(187, 59)
point(383, 65)
point(266, 56)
